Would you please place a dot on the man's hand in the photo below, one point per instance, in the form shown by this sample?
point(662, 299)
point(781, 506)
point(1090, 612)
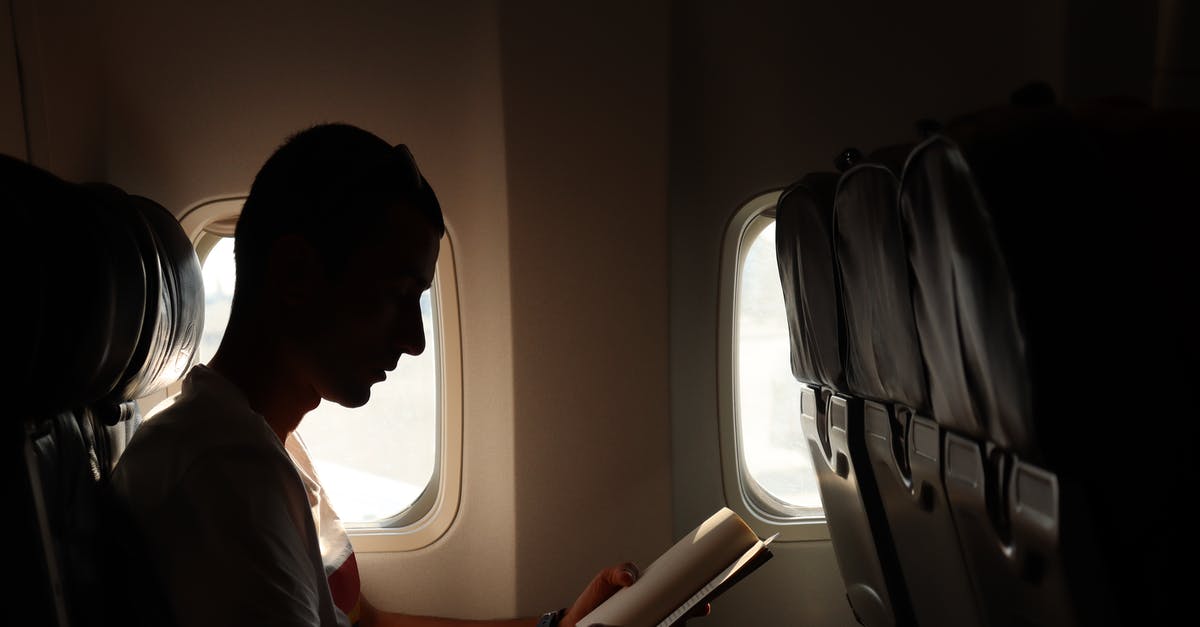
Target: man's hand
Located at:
point(606, 584)
point(603, 585)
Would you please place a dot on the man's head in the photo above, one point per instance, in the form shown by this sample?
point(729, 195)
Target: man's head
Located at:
point(334, 246)
point(331, 184)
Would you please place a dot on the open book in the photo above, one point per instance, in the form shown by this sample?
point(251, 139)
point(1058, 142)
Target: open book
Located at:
point(705, 563)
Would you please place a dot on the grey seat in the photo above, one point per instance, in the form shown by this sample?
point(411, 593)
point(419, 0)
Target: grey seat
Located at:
point(884, 367)
point(831, 421)
point(1026, 234)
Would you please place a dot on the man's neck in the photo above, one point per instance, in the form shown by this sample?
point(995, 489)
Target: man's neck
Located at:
point(258, 366)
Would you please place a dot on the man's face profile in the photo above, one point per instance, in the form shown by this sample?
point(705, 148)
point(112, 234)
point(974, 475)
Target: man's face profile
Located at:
point(366, 317)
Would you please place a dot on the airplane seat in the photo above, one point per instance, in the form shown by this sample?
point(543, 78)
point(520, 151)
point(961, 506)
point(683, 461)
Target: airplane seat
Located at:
point(84, 289)
point(172, 326)
point(884, 367)
point(1014, 223)
point(113, 311)
point(832, 421)
point(1114, 254)
point(174, 314)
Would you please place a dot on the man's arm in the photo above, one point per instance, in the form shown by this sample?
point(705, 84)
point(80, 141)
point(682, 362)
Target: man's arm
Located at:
point(603, 585)
point(374, 617)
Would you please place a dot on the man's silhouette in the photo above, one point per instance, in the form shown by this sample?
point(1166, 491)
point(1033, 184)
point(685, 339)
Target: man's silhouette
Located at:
point(334, 247)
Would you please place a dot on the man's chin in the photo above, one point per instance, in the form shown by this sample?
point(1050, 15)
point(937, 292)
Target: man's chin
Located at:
point(352, 400)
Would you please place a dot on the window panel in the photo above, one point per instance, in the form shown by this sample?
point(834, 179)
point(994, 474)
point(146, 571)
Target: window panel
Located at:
point(773, 450)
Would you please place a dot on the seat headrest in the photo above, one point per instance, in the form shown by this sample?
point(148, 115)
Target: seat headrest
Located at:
point(115, 292)
point(883, 354)
point(803, 247)
point(964, 300)
point(1090, 209)
point(84, 285)
point(173, 320)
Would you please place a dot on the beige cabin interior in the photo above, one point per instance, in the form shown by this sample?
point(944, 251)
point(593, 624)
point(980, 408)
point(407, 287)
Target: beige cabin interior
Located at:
point(588, 157)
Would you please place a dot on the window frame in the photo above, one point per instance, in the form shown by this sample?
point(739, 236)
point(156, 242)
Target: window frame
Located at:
point(743, 494)
point(430, 516)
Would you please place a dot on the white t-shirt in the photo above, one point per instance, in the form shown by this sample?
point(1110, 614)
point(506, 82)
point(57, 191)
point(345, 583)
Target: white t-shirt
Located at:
point(230, 518)
point(341, 567)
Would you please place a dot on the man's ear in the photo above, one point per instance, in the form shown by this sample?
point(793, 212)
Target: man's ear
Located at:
point(294, 272)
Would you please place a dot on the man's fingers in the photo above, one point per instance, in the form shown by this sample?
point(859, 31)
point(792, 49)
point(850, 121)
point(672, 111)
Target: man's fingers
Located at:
point(622, 575)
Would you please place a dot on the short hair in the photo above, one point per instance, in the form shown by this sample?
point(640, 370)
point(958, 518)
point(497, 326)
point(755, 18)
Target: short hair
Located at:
point(332, 184)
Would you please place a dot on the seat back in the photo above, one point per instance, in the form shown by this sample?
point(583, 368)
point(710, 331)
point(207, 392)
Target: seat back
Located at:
point(116, 305)
point(883, 354)
point(832, 422)
point(1009, 225)
point(885, 368)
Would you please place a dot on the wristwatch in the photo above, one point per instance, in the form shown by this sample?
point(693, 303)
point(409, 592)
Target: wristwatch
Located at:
point(551, 619)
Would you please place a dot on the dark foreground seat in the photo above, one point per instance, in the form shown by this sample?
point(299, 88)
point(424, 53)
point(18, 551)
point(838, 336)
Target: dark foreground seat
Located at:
point(109, 307)
point(1043, 285)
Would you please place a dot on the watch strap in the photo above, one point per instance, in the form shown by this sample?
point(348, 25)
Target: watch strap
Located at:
point(551, 619)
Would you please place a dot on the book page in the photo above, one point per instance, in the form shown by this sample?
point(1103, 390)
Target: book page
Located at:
point(678, 574)
point(725, 579)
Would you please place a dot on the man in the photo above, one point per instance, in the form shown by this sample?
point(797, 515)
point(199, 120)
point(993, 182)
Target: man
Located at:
point(335, 245)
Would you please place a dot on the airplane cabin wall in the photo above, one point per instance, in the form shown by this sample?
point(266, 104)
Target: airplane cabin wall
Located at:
point(585, 96)
point(55, 47)
point(1111, 48)
point(12, 117)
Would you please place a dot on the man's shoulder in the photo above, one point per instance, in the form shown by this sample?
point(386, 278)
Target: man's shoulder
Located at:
point(197, 421)
point(195, 431)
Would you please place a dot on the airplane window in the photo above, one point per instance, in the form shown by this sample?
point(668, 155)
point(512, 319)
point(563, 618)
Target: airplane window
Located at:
point(774, 467)
point(375, 461)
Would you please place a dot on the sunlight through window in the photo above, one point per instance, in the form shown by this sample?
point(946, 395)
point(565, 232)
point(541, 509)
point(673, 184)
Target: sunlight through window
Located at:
point(774, 451)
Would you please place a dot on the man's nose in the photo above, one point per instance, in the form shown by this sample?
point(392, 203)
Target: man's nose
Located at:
point(412, 338)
